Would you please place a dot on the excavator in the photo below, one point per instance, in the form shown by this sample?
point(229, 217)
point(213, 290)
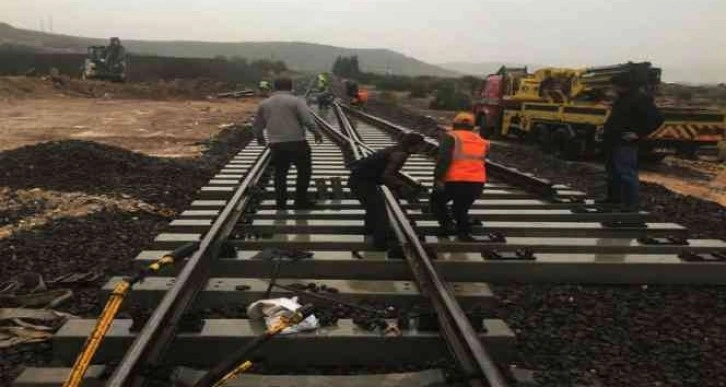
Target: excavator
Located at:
point(106, 62)
point(564, 110)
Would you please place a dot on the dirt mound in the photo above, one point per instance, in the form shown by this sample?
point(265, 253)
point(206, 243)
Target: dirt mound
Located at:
point(90, 167)
point(44, 87)
point(74, 165)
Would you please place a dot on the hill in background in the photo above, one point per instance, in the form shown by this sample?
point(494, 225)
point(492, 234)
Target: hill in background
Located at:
point(297, 55)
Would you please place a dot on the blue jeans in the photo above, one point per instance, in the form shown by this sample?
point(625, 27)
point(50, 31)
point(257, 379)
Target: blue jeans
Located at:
point(623, 182)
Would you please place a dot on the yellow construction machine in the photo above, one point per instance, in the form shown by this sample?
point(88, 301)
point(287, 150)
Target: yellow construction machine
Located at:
point(564, 110)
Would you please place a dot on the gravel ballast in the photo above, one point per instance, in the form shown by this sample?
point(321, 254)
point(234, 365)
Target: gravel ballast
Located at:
point(78, 206)
point(611, 335)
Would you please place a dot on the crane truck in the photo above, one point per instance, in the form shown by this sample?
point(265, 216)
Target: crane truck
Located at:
point(564, 110)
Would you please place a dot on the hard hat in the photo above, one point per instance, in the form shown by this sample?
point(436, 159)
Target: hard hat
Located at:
point(463, 120)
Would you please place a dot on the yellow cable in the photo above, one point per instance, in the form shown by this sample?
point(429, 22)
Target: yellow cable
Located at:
point(234, 373)
point(83, 361)
point(94, 340)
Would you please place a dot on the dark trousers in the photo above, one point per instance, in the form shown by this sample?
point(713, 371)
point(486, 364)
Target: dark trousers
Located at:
point(623, 182)
point(369, 194)
point(285, 154)
point(463, 195)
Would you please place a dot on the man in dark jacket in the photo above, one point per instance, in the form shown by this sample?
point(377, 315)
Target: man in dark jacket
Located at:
point(632, 118)
point(381, 168)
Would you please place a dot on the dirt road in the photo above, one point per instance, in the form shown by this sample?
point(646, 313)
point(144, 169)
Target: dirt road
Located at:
point(157, 128)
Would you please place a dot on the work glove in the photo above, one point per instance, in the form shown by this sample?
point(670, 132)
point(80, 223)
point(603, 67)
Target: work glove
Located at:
point(629, 136)
point(261, 141)
point(318, 138)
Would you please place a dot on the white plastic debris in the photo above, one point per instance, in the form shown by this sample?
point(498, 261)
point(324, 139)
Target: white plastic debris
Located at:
point(274, 309)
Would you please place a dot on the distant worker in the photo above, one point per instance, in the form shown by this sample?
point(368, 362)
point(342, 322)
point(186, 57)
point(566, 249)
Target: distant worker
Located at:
point(322, 82)
point(632, 118)
point(381, 168)
point(459, 176)
point(285, 117)
point(264, 88)
point(115, 52)
point(115, 60)
point(351, 89)
point(325, 100)
point(361, 98)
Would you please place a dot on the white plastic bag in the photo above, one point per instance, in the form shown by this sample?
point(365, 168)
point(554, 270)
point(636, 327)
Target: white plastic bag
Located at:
point(274, 309)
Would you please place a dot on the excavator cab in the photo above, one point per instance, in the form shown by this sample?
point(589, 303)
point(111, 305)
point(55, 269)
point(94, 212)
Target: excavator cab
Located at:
point(106, 62)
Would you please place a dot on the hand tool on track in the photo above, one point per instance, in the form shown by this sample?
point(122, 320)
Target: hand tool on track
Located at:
point(119, 293)
point(238, 363)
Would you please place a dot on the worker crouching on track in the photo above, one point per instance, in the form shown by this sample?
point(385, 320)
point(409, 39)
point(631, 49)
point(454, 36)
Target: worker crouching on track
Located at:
point(285, 117)
point(369, 173)
point(459, 175)
point(633, 117)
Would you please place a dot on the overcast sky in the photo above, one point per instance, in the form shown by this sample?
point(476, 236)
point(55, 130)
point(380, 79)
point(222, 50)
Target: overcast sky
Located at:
point(671, 33)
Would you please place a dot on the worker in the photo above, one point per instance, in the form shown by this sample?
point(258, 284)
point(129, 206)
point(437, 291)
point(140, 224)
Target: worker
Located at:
point(381, 168)
point(459, 176)
point(632, 118)
point(351, 89)
point(323, 82)
point(115, 52)
point(264, 87)
point(361, 98)
point(286, 117)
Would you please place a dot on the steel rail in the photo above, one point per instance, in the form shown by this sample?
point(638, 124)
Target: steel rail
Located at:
point(541, 187)
point(461, 338)
point(358, 140)
point(151, 343)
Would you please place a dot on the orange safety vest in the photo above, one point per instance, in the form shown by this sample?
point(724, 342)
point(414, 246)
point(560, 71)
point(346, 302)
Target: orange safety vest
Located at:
point(468, 160)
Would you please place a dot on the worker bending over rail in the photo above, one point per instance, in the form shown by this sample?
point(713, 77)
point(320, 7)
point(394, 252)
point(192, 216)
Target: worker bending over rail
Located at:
point(369, 173)
point(285, 117)
point(459, 175)
point(633, 117)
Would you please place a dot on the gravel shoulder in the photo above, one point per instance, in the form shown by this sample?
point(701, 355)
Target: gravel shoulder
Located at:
point(613, 335)
point(86, 183)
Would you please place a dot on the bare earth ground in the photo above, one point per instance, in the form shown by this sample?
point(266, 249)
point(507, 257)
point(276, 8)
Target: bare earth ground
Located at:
point(156, 128)
point(91, 172)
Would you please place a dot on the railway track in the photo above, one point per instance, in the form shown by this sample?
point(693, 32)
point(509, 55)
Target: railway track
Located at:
point(539, 232)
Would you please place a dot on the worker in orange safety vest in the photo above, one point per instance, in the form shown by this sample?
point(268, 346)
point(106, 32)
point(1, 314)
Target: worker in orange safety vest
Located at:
point(459, 176)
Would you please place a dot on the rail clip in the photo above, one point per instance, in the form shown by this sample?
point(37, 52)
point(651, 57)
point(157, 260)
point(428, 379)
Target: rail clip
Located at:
point(690, 256)
point(517, 255)
point(667, 241)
